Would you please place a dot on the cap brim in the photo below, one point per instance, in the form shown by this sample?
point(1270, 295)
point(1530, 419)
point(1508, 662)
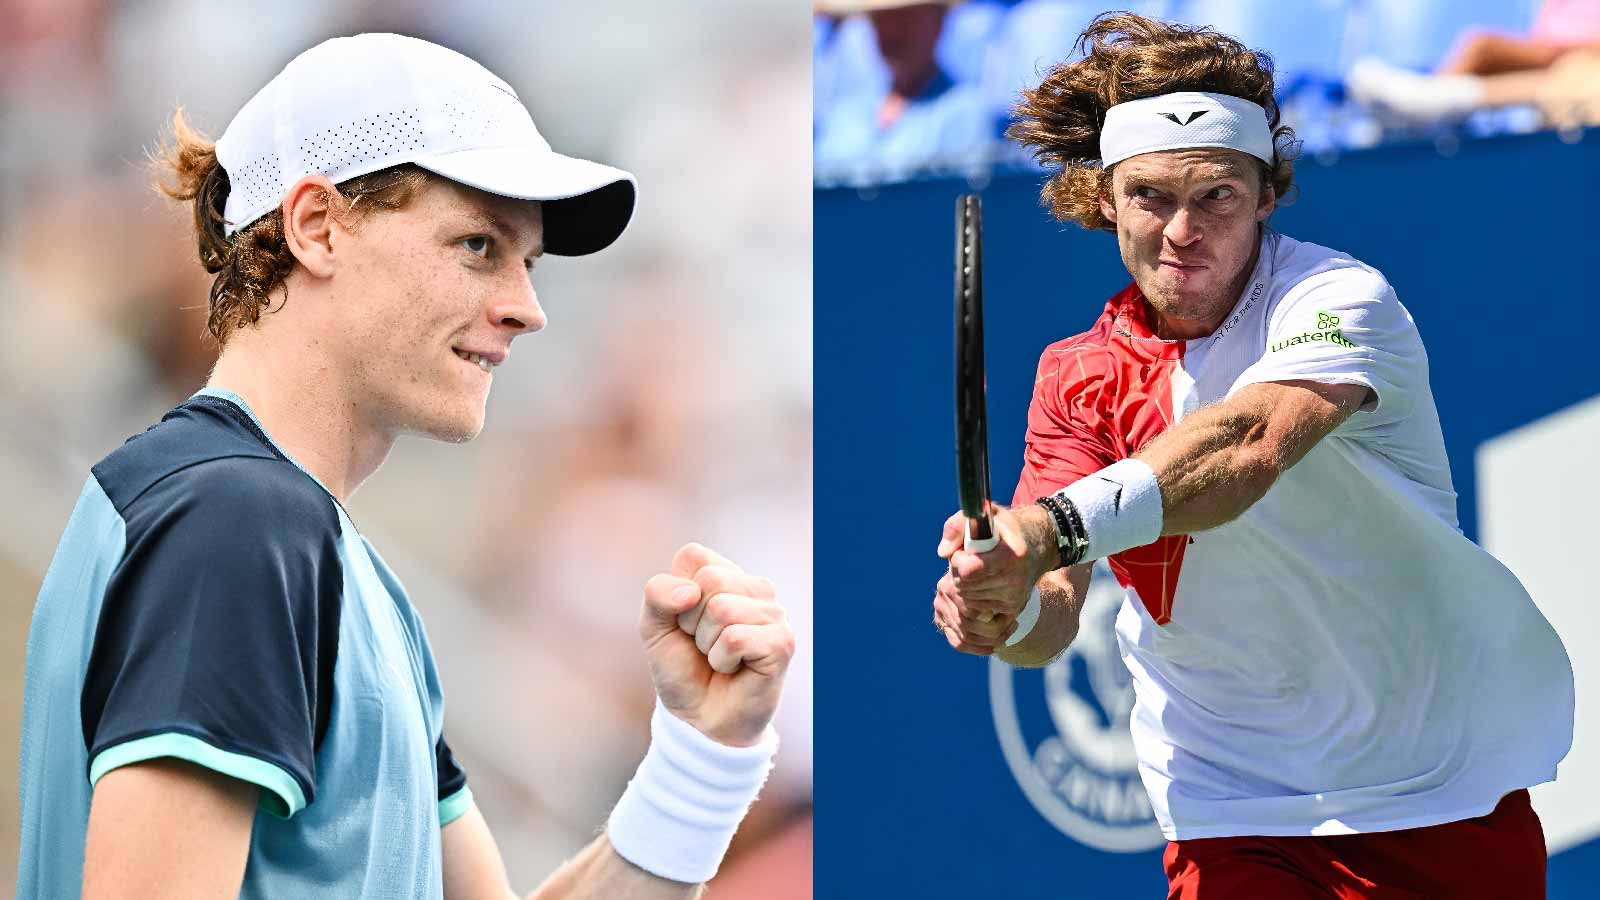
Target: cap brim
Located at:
point(586, 205)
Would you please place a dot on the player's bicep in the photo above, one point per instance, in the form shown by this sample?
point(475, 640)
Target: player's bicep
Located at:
point(473, 867)
point(167, 828)
point(1346, 327)
point(1295, 415)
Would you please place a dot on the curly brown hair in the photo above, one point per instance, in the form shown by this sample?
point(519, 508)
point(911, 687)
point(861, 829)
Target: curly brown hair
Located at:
point(1131, 57)
point(257, 258)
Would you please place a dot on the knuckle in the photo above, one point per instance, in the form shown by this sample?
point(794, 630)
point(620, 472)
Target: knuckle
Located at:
point(714, 577)
point(716, 608)
point(723, 608)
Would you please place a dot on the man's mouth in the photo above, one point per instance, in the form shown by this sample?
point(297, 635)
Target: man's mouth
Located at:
point(476, 359)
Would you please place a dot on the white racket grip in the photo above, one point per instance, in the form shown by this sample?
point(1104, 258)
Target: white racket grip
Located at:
point(973, 545)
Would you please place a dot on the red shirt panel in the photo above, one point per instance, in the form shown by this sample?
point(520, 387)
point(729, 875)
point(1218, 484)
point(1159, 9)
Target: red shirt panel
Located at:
point(1097, 398)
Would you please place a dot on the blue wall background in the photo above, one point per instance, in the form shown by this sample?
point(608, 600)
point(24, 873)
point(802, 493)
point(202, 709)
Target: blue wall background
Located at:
point(1493, 250)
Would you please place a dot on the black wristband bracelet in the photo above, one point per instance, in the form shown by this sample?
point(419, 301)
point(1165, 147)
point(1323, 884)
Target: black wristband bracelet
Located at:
point(1069, 526)
point(1057, 515)
point(1078, 543)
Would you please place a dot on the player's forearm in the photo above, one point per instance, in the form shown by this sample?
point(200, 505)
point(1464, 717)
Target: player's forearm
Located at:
point(1213, 466)
point(1060, 602)
point(598, 872)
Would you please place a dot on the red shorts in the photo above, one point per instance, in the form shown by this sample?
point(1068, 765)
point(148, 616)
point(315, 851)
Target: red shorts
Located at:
point(1500, 856)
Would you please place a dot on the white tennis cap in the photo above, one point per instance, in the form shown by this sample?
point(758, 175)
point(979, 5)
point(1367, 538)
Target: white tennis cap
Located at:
point(351, 106)
point(1181, 120)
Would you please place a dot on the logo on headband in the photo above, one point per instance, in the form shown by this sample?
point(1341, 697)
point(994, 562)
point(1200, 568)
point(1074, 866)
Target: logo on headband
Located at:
point(1192, 116)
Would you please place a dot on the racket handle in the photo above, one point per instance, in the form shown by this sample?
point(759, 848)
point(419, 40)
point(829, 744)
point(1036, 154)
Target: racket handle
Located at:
point(980, 545)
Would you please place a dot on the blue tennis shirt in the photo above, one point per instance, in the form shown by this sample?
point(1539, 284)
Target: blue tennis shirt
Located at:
point(210, 601)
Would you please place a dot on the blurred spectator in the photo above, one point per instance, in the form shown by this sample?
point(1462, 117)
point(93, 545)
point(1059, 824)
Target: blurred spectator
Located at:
point(1037, 35)
point(915, 116)
point(1524, 71)
point(1555, 66)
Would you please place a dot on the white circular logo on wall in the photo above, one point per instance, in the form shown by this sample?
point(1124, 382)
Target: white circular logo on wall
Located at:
point(1083, 777)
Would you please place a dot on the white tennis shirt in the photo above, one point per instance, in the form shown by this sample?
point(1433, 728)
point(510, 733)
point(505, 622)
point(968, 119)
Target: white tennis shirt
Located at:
point(1340, 658)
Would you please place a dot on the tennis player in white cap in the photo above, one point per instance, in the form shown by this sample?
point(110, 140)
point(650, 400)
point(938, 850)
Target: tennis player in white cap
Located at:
point(228, 693)
point(1338, 695)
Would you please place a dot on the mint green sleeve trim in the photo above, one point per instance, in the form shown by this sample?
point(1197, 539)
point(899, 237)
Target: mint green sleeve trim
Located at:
point(280, 793)
point(452, 807)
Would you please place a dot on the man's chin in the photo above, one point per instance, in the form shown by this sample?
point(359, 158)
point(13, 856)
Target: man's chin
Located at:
point(1182, 301)
point(451, 430)
point(458, 437)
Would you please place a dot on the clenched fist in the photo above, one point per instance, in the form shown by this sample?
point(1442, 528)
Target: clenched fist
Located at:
point(718, 644)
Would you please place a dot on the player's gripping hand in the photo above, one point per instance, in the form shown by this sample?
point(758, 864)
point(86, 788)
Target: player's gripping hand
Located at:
point(718, 644)
point(976, 603)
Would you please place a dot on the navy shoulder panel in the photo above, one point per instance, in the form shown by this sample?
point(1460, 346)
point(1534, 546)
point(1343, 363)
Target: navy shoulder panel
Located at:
point(221, 620)
point(198, 430)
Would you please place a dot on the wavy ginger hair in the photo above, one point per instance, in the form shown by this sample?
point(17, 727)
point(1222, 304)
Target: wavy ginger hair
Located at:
point(1131, 57)
point(254, 262)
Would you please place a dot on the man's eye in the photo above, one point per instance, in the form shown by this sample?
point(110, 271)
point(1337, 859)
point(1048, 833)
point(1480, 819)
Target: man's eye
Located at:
point(1146, 193)
point(478, 244)
point(1220, 193)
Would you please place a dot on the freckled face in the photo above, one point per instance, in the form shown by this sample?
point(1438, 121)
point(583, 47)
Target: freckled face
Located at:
point(434, 292)
point(1187, 227)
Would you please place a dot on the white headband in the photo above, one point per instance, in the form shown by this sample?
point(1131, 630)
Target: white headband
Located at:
point(1183, 120)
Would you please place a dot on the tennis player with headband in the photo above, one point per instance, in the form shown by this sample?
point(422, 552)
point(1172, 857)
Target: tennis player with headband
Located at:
point(1337, 693)
point(228, 693)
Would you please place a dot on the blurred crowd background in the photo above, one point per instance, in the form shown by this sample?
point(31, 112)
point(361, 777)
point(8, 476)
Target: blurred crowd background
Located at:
point(908, 89)
point(669, 399)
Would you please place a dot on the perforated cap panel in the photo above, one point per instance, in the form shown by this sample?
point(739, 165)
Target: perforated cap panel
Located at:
point(355, 105)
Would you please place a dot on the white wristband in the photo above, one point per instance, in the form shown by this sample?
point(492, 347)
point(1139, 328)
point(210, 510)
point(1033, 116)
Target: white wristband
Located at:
point(686, 800)
point(1120, 506)
point(1026, 619)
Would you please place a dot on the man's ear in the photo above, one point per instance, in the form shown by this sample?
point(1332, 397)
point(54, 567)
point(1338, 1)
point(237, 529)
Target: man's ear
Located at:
point(1107, 208)
point(308, 223)
point(1269, 202)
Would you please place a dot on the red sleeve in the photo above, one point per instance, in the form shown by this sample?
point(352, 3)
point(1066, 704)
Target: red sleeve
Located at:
point(1068, 437)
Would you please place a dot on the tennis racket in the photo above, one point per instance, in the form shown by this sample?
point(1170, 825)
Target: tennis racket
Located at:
point(972, 415)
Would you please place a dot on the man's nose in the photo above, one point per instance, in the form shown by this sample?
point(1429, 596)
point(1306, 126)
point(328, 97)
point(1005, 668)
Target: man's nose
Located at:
point(1183, 228)
point(519, 309)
